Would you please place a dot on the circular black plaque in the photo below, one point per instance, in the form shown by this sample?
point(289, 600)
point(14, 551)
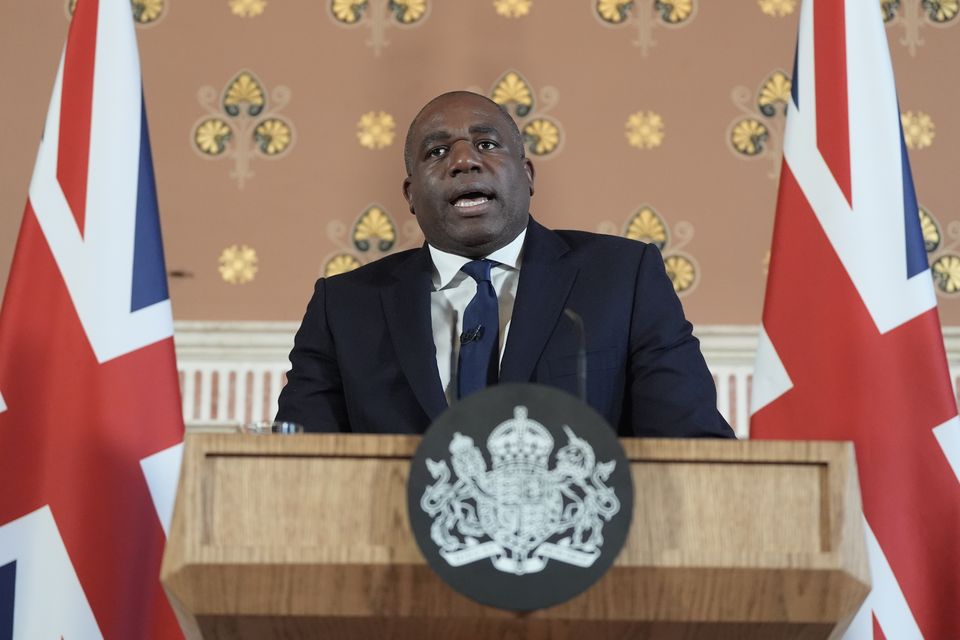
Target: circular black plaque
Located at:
point(520, 496)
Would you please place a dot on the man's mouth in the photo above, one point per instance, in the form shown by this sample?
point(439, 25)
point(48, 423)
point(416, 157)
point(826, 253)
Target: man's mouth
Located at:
point(464, 203)
point(470, 200)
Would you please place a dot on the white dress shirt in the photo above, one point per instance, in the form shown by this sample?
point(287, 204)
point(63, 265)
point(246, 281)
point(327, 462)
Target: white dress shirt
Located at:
point(452, 292)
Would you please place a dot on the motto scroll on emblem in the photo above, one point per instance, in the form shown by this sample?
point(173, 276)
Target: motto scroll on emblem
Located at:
point(520, 513)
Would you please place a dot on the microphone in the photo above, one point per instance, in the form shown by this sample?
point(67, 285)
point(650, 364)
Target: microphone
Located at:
point(471, 335)
point(581, 353)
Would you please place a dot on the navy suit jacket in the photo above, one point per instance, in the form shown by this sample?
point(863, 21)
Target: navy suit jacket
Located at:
point(364, 358)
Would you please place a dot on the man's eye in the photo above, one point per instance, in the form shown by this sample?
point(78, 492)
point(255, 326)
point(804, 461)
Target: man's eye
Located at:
point(486, 145)
point(437, 152)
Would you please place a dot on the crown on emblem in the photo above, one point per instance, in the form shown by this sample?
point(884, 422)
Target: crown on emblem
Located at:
point(520, 442)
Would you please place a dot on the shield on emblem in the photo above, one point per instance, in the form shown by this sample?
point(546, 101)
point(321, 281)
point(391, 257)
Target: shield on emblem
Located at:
point(524, 512)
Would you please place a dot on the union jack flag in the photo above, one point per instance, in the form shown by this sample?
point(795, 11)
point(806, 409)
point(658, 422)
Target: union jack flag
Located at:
point(90, 426)
point(851, 347)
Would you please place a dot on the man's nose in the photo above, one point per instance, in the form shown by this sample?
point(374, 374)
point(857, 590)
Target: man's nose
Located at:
point(464, 158)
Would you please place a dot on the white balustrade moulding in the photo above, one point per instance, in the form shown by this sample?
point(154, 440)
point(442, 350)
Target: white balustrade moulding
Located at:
point(232, 372)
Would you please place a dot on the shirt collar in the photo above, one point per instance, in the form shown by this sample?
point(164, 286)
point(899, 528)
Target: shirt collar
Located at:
point(446, 266)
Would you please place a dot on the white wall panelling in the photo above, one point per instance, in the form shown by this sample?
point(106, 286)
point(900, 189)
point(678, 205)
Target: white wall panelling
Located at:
point(232, 372)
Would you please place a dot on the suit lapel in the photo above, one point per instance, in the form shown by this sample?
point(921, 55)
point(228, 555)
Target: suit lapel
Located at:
point(406, 305)
point(545, 283)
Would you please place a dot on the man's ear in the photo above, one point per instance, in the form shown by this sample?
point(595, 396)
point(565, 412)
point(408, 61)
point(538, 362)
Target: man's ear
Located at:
point(406, 194)
point(531, 173)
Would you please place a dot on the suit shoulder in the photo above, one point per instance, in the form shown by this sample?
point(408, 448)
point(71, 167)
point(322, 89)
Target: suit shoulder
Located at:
point(586, 241)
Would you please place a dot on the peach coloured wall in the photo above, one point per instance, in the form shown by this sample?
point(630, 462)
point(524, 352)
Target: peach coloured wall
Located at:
point(278, 125)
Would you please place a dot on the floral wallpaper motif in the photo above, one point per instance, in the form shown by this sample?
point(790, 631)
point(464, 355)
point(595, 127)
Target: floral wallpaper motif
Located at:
point(542, 134)
point(238, 264)
point(374, 235)
point(645, 130)
point(512, 8)
point(918, 129)
point(243, 124)
point(777, 8)
point(247, 8)
point(644, 17)
point(758, 131)
point(943, 251)
point(647, 225)
point(376, 130)
point(913, 16)
point(378, 16)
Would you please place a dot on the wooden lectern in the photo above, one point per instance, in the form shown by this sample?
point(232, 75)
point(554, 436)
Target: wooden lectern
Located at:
point(306, 536)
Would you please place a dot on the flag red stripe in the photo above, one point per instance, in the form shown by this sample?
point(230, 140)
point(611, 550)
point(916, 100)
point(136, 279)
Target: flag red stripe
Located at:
point(877, 631)
point(830, 60)
point(884, 392)
point(78, 446)
point(76, 106)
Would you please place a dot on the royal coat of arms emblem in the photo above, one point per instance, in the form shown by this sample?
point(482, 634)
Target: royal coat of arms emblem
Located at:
point(521, 512)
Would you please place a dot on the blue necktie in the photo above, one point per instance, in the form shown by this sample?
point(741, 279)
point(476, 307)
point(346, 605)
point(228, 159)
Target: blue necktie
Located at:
point(478, 365)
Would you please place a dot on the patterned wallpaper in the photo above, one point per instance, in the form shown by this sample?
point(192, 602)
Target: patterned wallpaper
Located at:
point(278, 127)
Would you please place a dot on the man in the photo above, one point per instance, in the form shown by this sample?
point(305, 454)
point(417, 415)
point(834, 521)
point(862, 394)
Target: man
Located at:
point(387, 347)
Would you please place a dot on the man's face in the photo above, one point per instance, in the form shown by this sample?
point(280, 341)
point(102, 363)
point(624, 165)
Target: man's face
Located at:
point(469, 185)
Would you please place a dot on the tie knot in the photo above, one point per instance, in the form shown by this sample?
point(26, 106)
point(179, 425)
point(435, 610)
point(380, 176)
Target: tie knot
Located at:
point(479, 270)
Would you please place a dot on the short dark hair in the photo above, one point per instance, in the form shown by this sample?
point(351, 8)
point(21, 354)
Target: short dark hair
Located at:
point(514, 131)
